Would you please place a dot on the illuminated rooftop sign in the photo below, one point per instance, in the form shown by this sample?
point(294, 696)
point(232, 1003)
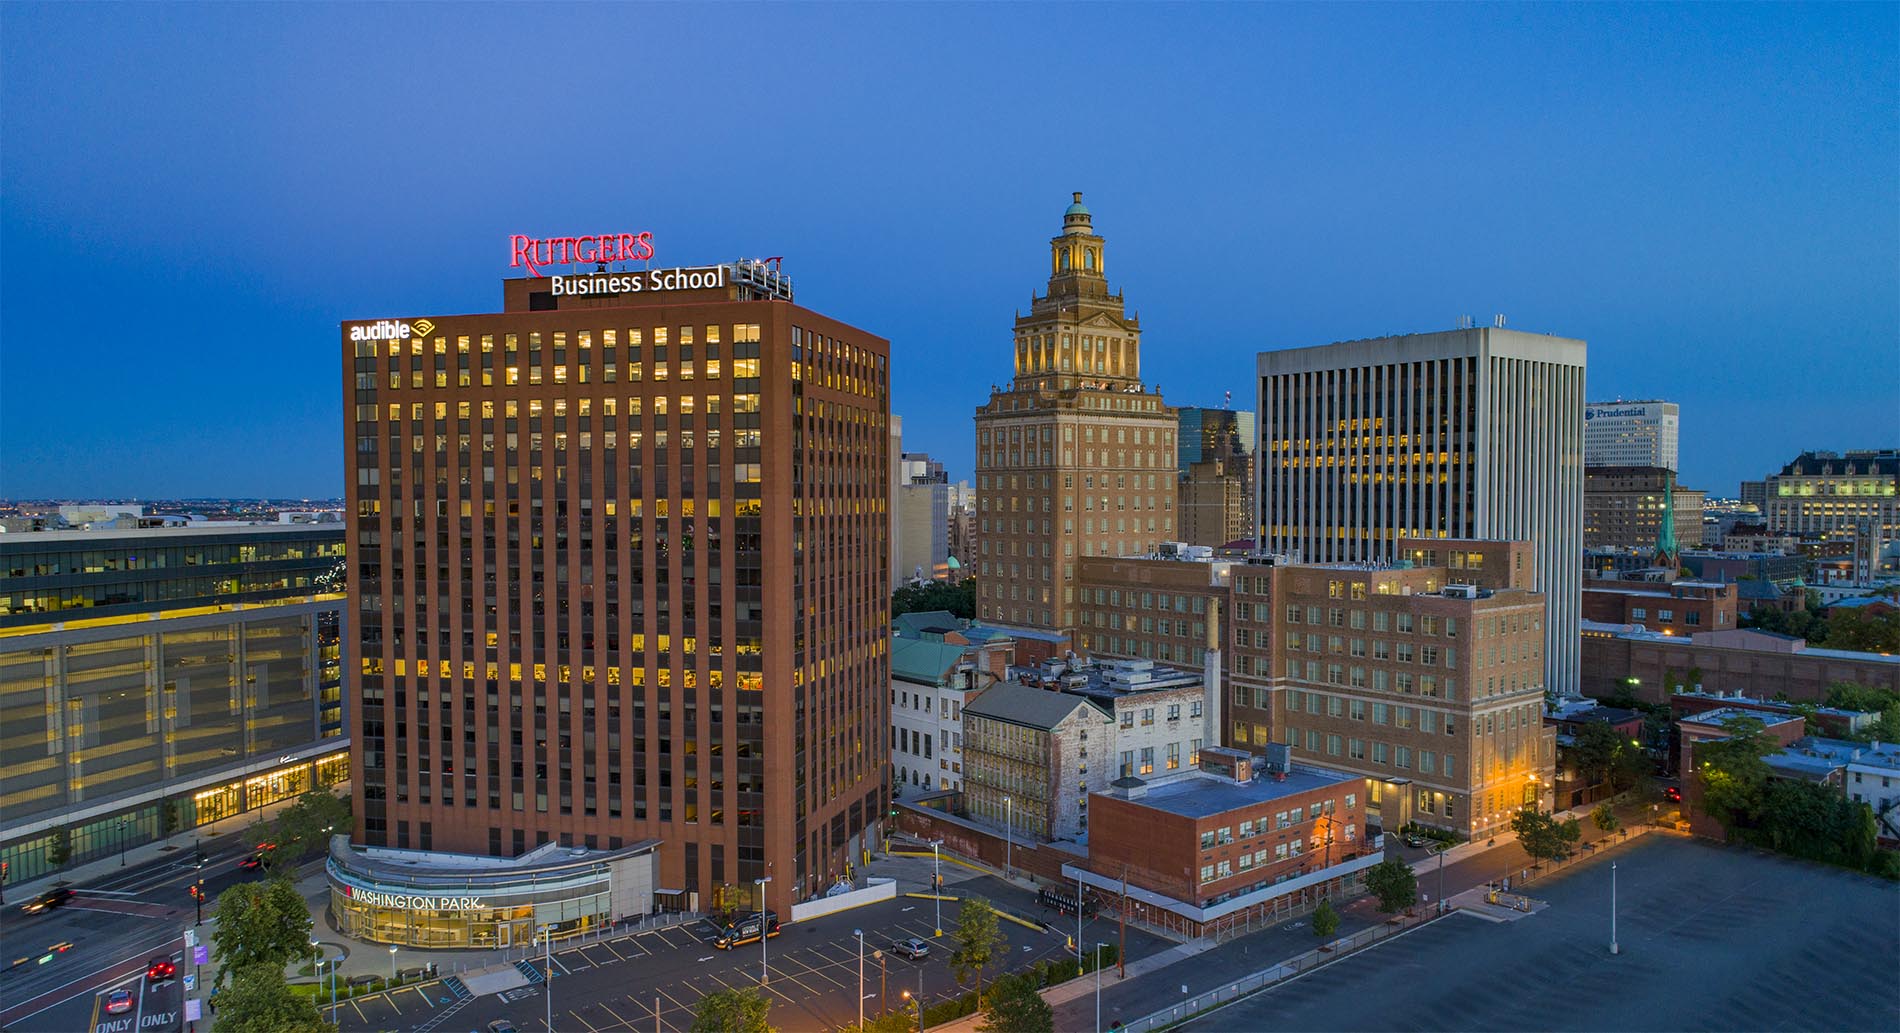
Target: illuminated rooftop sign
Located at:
point(529, 253)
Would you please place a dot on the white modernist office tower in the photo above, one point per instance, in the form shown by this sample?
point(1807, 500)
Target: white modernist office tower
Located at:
point(1473, 433)
point(1632, 434)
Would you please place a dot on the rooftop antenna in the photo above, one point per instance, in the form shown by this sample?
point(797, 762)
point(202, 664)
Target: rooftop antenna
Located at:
point(1498, 320)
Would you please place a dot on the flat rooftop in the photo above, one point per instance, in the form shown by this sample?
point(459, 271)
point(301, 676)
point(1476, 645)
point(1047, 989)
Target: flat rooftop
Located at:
point(1717, 717)
point(1204, 794)
point(76, 536)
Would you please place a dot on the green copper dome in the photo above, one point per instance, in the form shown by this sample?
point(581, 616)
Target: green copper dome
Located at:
point(1078, 208)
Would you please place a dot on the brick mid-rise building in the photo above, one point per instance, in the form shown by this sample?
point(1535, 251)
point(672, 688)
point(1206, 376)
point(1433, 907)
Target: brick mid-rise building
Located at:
point(1426, 677)
point(1223, 830)
point(622, 575)
point(1167, 608)
point(1676, 607)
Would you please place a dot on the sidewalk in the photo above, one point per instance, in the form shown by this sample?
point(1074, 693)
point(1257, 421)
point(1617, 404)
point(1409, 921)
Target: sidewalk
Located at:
point(177, 846)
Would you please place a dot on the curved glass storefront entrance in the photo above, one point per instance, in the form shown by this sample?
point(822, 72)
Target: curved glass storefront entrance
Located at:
point(424, 899)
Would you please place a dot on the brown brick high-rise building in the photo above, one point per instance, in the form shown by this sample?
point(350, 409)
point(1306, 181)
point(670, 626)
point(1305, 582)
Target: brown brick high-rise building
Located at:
point(1075, 457)
point(622, 574)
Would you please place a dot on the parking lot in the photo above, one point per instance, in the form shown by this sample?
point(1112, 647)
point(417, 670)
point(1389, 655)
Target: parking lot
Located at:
point(812, 970)
point(1709, 937)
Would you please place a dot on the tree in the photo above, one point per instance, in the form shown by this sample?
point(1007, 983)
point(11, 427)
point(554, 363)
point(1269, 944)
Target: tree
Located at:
point(1733, 774)
point(976, 941)
point(259, 1000)
point(732, 1011)
point(1596, 745)
point(1605, 818)
point(1394, 884)
point(1870, 699)
point(260, 923)
point(306, 826)
point(959, 599)
point(902, 1020)
point(1016, 1007)
point(1325, 920)
point(1544, 837)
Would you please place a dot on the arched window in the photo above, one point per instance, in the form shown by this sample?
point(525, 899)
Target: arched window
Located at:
point(1088, 259)
point(1065, 260)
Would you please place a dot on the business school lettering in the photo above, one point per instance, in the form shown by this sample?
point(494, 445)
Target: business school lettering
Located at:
point(413, 902)
point(640, 282)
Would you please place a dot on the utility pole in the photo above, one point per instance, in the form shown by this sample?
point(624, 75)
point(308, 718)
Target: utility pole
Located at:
point(1441, 878)
point(1078, 915)
point(1121, 951)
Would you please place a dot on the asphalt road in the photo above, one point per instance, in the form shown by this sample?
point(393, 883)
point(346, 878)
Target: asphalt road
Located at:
point(157, 1007)
point(813, 973)
point(113, 926)
point(1710, 937)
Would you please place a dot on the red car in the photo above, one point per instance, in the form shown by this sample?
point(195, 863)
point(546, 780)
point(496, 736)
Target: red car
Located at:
point(160, 970)
point(1672, 794)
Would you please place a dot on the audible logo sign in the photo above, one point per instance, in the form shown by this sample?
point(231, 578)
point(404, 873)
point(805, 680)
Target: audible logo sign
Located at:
point(391, 330)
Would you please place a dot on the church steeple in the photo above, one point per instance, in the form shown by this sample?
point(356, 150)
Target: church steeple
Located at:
point(1667, 554)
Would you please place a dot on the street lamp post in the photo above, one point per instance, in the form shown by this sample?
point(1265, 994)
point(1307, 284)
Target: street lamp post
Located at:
point(1098, 985)
point(1009, 833)
point(764, 973)
point(859, 933)
point(392, 962)
point(936, 891)
point(1613, 947)
point(547, 968)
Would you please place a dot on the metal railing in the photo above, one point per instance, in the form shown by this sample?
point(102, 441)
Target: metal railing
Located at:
point(1230, 992)
point(1524, 876)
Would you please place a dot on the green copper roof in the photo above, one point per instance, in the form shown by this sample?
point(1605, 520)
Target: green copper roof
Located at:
point(1077, 208)
point(1666, 537)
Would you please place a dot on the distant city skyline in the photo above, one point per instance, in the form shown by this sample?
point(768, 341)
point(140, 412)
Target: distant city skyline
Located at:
point(184, 237)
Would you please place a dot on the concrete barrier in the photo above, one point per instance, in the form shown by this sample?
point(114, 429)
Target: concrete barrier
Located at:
point(877, 888)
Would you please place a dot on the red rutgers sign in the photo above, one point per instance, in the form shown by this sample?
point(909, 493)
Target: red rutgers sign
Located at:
point(529, 252)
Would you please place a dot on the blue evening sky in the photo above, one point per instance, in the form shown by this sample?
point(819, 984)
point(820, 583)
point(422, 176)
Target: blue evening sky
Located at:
point(193, 196)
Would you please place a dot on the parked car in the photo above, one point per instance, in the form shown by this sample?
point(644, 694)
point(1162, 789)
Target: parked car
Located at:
point(47, 901)
point(914, 949)
point(501, 1026)
point(118, 1002)
point(160, 969)
point(1412, 839)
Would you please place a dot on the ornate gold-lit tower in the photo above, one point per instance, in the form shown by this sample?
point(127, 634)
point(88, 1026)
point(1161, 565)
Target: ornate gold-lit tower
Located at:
point(1076, 457)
